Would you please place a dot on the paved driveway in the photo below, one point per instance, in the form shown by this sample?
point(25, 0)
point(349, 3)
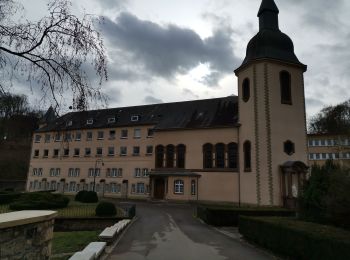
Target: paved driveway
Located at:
point(169, 231)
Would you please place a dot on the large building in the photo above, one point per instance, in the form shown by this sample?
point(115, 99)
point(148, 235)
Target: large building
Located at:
point(250, 149)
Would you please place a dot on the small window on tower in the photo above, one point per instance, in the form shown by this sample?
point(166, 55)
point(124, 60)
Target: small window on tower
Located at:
point(289, 147)
point(286, 91)
point(246, 90)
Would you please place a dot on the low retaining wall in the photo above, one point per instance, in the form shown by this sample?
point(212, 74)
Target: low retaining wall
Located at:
point(84, 224)
point(26, 234)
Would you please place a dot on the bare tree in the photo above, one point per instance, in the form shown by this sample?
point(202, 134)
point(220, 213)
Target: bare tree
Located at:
point(55, 52)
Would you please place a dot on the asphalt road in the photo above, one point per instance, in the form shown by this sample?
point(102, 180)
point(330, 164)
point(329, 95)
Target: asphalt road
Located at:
point(169, 231)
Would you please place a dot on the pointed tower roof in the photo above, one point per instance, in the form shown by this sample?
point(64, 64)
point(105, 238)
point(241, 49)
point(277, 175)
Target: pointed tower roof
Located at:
point(270, 42)
point(268, 5)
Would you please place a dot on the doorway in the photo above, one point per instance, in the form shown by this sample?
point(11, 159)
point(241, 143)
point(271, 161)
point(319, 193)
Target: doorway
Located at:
point(125, 189)
point(159, 187)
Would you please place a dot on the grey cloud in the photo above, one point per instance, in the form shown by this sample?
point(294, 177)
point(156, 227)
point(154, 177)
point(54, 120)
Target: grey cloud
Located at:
point(113, 4)
point(170, 50)
point(152, 100)
point(189, 92)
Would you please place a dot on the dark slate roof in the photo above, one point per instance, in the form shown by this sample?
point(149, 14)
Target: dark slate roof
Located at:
point(270, 42)
point(207, 113)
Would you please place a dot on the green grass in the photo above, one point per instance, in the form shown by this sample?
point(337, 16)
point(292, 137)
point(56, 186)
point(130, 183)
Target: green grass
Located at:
point(69, 242)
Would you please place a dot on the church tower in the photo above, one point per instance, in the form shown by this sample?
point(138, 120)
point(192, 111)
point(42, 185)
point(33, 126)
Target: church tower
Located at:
point(271, 110)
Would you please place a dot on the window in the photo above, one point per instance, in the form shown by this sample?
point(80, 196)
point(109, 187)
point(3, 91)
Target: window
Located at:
point(99, 151)
point(137, 172)
point(110, 151)
point(40, 172)
point(52, 172)
point(113, 187)
point(170, 156)
point(124, 134)
point(246, 90)
point(111, 134)
point(58, 172)
point(67, 137)
point(149, 150)
point(76, 172)
point(135, 118)
point(47, 138)
point(35, 171)
point(123, 150)
point(286, 91)
point(247, 156)
point(132, 188)
point(76, 152)
point(193, 187)
point(289, 147)
point(91, 172)
point(150, 132)
point(232, 155)
point(97, 172)
point(136, 151)
point(178, 186)
point(66, 152)
point(87, 151)
point(36, 153)
point(310, 142)
point(114, 172)
point(72, 185)
point(100, 135)
point(46, 153)
point(220, 155)
point(90, 121)
point(37, 138)
point(111, 120)
point(77, 136)
point(56, 152)
point(208, 156)
point(180, 156)
point(89, 136)
point(57, 137)
point(137, 133)
point(159, 156)
point(323, 142)
point(70, 172)
point(140, 188)
point(145, 172)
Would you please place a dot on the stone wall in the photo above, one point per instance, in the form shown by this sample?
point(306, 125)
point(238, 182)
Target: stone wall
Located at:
point(26, 235)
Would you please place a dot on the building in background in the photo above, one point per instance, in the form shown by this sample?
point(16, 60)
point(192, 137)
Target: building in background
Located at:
point(250, 149)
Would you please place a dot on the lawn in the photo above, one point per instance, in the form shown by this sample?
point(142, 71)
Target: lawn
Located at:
point(70, 242)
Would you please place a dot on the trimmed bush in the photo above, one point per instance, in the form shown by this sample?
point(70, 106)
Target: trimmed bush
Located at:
point(296, 239)
point(8, 197)
point(106, 209)
point(38, 201)
point(218, 216)
point(87, 197)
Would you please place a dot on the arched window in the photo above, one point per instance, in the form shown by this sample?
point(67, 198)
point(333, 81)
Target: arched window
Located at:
point(220, 155)
point(246, 90)
point(170, 155)
point(232, 155)
point(289, 147)
point(247, 147)
point(286, 91)
point(159, 156)
point(178, 186)
point(180, 156)
point(207, 156)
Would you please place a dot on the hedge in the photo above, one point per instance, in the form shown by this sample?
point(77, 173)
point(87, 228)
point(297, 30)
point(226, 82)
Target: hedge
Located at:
point(218, 216)
point(38, 201)
point(105, 209)
point(86, 196)
point(8, 197)
point(297, 239)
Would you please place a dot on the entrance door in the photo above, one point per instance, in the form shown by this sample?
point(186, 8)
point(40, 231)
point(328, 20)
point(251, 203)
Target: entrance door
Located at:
point(125, 189)
point(159, 189)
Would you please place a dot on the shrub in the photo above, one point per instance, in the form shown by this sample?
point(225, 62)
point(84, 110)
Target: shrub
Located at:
point(87, 197)
point(106, 209)
point(8, 197)
point(217, 216)
point(326, 196)
point(40, 201)
point(297, 239)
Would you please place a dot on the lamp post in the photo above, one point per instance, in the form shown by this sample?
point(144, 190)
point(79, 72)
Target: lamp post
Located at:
point(96, 162)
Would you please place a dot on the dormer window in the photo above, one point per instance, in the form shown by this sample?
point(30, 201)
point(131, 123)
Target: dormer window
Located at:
point(111, 120)
point(69, 123)
point(89, 121)
point(135, 118)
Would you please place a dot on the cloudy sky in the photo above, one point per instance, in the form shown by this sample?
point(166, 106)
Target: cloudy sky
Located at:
point(165, 51)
